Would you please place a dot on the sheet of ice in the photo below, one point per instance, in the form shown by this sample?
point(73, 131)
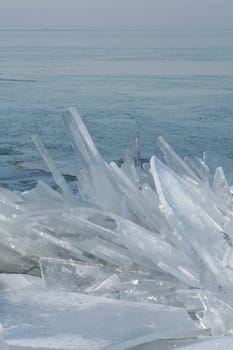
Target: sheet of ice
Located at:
point(42, 319)
point(174, 161)
point(199, 167)
point(10, 205)
point(95, 181)
point(145, 211)
point(217, 314)
point(42, 197)
point(65, 275)
point(215, 343)
point(106, 251)
point(221, 187)
point(59, 179)
point(142, 242)
point(161, 344)
point(211, 246)
point(19, 281)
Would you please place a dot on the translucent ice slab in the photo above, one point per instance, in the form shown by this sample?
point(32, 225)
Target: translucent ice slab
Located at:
point(216, 343)
point(42, 319)
point(63, 275)
point(19, 281)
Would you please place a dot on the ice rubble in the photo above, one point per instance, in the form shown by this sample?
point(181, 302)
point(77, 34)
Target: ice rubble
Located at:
point(140, 257)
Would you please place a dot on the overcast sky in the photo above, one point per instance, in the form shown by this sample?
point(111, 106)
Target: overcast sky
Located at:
point(116, 14)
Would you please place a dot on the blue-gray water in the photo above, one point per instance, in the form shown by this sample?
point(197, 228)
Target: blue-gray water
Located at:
point(174, 83)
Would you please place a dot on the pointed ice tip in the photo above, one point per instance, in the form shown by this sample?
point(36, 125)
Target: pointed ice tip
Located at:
point(33, 137)
point(161, 140)
point(36, 140)
point(72, 117)
point(152, 161)
point(71, 111)
point(80, 136)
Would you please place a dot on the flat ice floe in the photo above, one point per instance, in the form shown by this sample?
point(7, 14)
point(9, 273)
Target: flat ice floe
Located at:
point(139, 257)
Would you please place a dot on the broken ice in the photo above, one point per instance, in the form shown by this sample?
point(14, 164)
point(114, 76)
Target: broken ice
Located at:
point(140, 257)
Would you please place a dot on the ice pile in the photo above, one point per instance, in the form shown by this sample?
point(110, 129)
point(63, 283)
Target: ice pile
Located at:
point(140, 257)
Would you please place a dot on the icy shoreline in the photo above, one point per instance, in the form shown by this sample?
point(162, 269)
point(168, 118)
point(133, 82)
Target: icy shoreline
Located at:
point(140, 258)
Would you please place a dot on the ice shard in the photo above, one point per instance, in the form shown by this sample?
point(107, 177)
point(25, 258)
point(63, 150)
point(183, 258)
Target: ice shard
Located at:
point(59, 179)
point(71, 276)
point(95, 179)
point(44, 319)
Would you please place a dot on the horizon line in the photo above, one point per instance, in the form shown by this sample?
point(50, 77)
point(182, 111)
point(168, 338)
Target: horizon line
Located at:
point(57, 29)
